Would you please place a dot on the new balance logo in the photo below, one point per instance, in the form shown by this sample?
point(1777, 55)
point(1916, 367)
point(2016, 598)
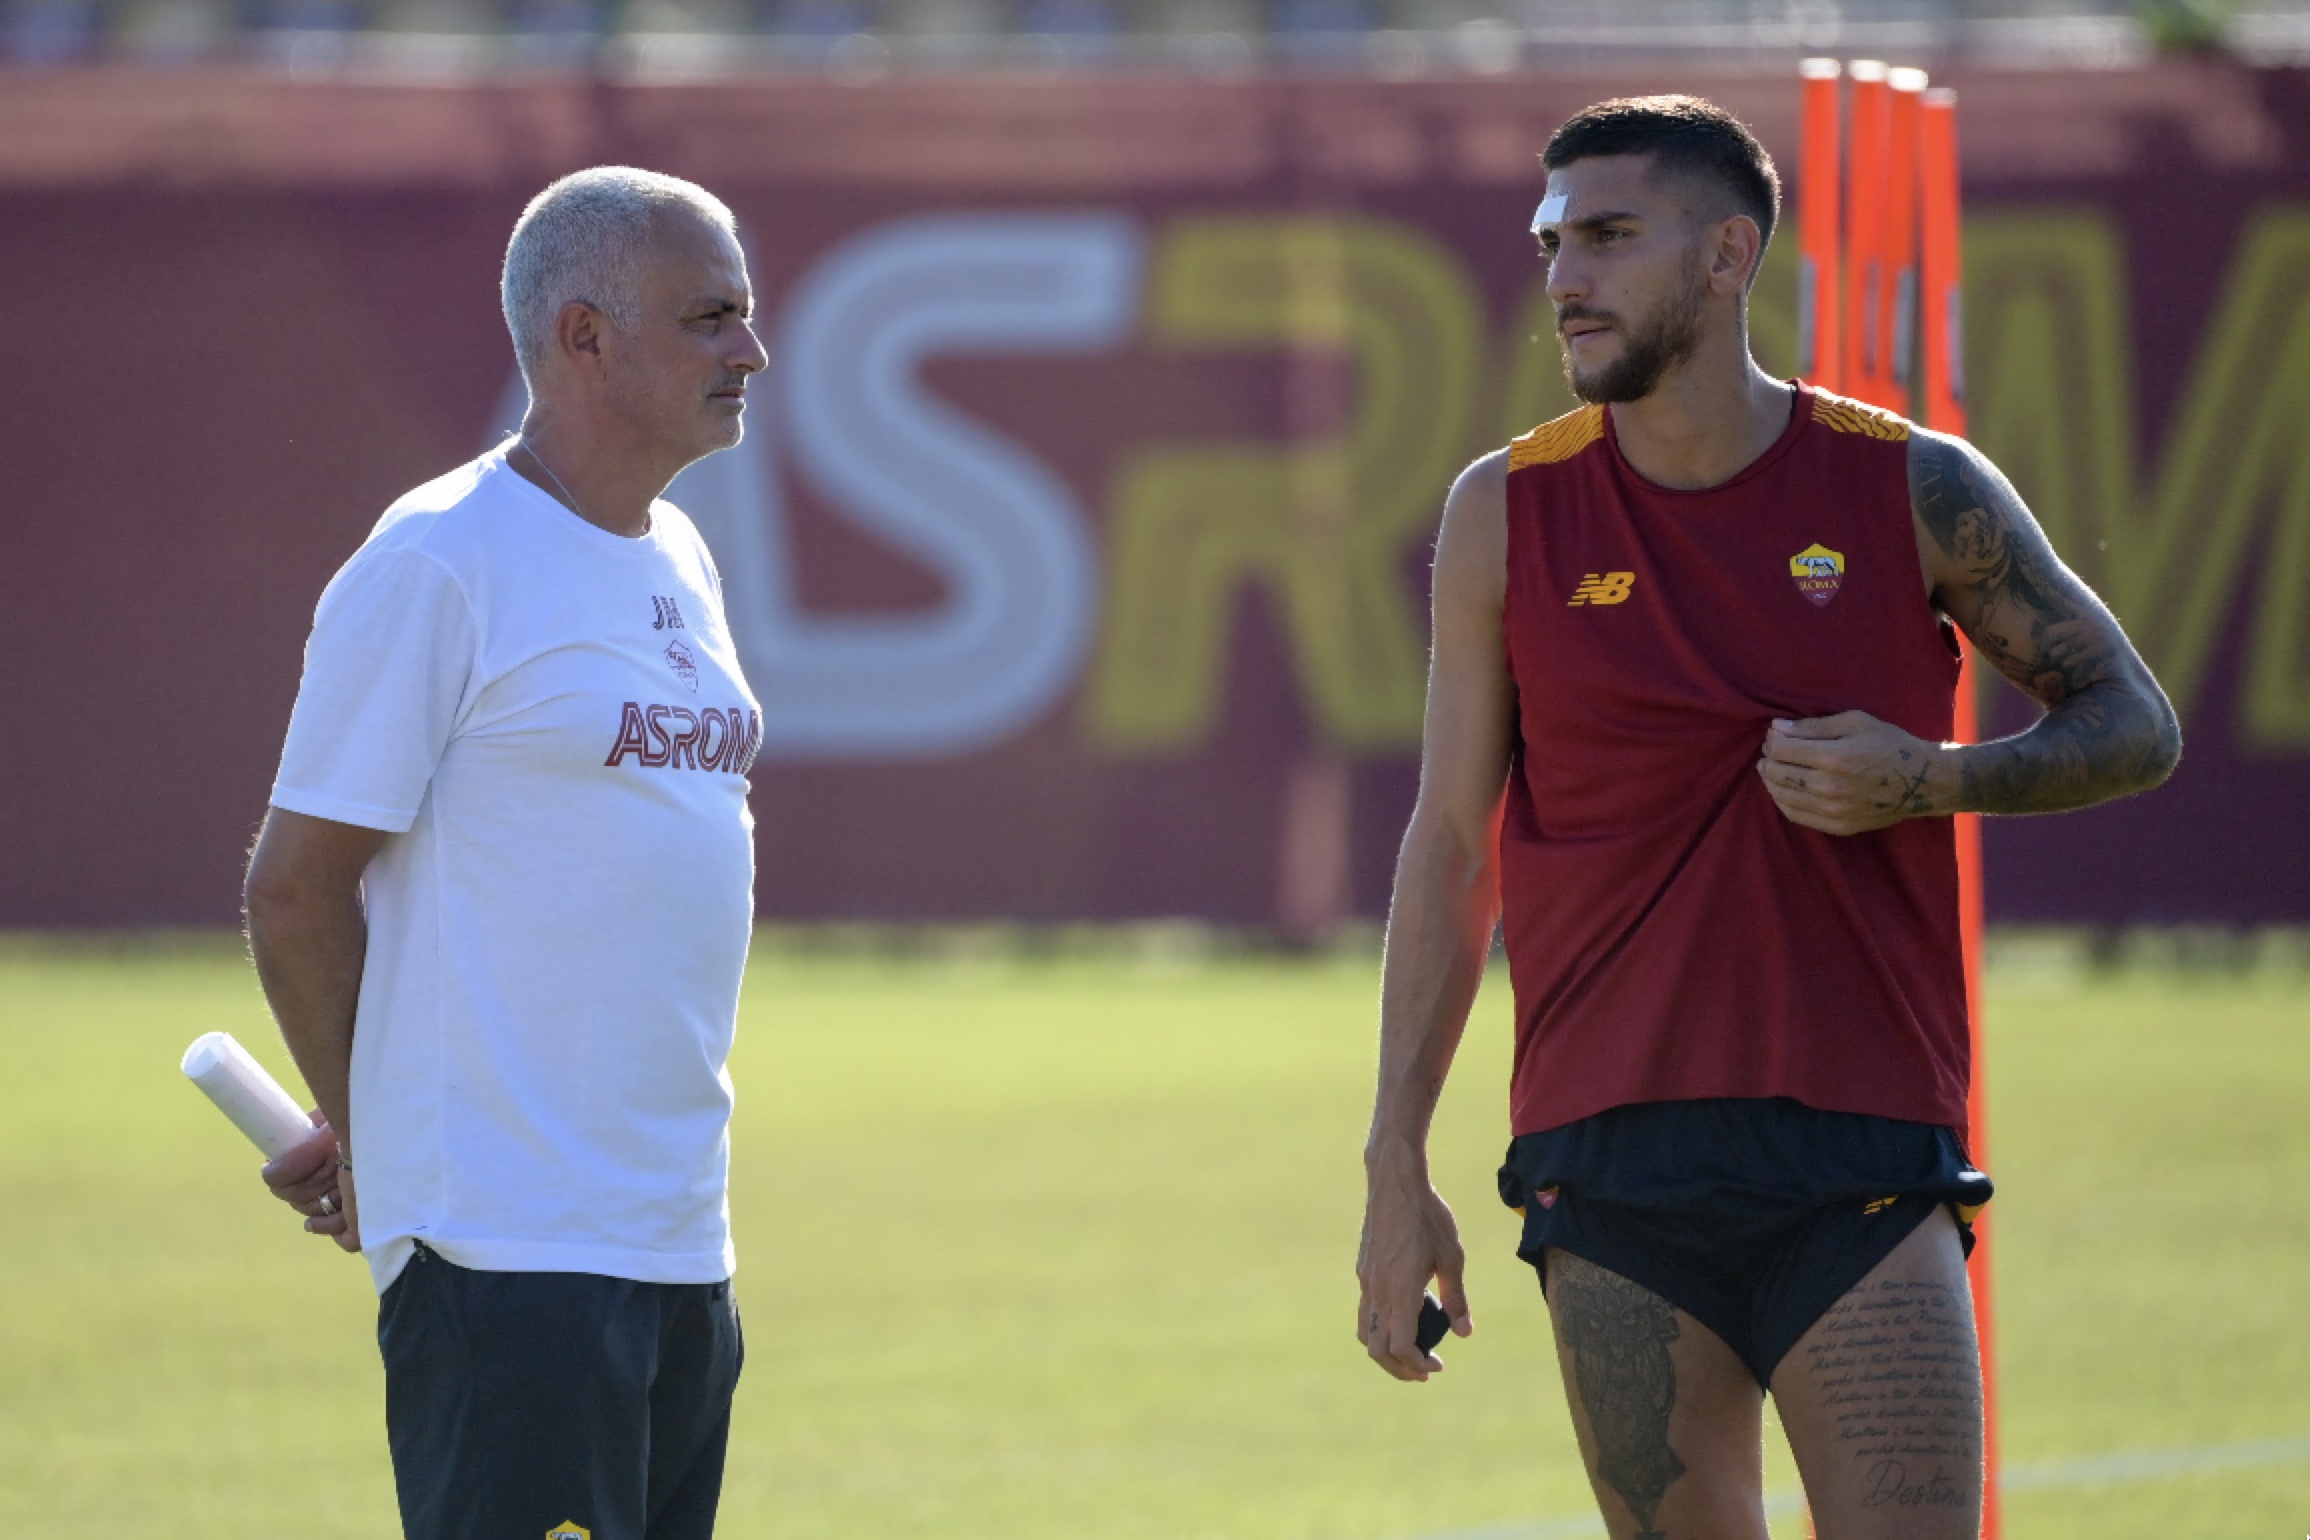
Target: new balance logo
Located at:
point(1609, 588)
point(669, 614)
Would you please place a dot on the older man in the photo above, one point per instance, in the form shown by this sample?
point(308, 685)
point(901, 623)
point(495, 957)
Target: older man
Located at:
point(501, 903)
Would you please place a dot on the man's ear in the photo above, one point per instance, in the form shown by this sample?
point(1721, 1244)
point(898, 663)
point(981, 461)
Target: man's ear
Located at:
point(1735, 249)
point(578, 333)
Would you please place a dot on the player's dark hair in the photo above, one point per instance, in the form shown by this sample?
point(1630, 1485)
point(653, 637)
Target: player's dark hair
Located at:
point(1684, 135)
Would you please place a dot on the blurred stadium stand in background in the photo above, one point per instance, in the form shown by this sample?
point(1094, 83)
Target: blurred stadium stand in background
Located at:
point(1078, 549)
point(1392, 38)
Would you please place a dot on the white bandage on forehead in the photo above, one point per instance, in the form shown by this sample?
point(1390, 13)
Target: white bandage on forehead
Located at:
point(1551, 212)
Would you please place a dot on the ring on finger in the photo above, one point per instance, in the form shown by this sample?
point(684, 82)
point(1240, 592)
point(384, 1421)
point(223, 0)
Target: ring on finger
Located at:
point(328, 1204)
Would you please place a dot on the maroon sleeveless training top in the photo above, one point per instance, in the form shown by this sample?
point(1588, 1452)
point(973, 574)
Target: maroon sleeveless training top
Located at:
point(1670, 934)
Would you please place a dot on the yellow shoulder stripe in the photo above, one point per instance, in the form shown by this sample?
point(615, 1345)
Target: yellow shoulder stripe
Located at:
point(1558, 440)
point(1846, 415)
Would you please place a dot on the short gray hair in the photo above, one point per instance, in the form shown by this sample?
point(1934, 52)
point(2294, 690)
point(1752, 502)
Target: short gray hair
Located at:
point(580, 242)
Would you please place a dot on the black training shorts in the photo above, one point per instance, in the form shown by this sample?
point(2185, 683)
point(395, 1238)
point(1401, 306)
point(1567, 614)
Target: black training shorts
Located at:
point(526, 1405)
point(1751, 1216)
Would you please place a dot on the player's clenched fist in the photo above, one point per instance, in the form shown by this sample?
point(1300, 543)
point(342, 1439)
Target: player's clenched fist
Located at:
point(1409, 1237)
point(1851, 773)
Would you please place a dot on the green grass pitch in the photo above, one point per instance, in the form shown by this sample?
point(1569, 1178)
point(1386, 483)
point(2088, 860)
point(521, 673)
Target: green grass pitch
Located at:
point(1064, 1249)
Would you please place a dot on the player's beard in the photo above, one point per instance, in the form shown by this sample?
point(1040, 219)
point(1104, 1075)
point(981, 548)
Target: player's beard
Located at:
point(1673, 337)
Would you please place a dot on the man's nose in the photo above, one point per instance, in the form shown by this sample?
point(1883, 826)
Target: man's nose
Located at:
point(1566, 280)
point(753, 357)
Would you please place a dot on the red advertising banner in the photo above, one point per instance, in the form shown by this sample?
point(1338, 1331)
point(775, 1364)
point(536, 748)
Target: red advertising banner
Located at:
point(1077, 549)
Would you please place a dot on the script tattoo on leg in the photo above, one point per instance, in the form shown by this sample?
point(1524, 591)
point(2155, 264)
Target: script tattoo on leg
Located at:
point(1619, 1334)
point(1901, 1379)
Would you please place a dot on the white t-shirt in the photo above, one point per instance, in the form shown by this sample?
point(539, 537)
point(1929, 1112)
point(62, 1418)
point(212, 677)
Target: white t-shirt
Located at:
point(550, 721)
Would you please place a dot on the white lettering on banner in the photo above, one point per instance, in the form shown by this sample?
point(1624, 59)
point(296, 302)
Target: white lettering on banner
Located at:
point(1006, 537)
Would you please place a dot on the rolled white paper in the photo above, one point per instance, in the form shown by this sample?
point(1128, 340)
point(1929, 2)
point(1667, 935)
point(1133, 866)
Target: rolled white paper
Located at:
point(243, 1092)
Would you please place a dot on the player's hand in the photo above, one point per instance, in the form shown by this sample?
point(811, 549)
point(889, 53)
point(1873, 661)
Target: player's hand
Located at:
point(1409, 1237)
point(1851, 773)
point(307, 1175)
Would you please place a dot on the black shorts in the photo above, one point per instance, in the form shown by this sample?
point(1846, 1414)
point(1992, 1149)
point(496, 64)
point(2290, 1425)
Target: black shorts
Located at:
point(523, 1405)
point(1753, 1217)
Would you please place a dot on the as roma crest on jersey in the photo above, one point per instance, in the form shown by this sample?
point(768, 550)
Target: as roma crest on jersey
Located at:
point(685, 666)
point(569, 1529)
point(1818, 570)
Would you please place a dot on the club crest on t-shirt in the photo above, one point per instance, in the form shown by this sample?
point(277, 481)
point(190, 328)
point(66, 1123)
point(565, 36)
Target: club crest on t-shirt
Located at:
point(567, 1530)
point(1818, 570)
point(684, 665)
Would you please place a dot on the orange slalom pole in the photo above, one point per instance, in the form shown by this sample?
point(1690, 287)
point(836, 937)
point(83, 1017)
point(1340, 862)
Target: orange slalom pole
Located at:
point(1944, 360)
point(1865, 231)
point(1943, 309)
point(1820, 290)
point(1821, 238)
point(1897, 301)
point(1967, 729)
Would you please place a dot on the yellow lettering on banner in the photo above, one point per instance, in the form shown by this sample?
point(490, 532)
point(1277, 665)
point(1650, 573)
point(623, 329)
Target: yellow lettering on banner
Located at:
point(2053, 404)
point(2245, 449)
point(1323, 525)
point(2050, 384)
point(2277, 713)
point(2051, 375)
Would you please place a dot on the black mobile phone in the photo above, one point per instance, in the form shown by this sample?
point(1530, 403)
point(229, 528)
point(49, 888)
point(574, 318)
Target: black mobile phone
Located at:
point(1435, 1323)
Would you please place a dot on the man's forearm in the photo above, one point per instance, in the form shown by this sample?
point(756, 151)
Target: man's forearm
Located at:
point(2108, 729)
point(309, 952)
point(2107, 740)
point(1439, 930)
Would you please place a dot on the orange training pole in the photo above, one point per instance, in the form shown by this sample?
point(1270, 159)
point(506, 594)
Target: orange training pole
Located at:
point(1865, 231)
point(1969, 911)
point(1942, 310)
point(1820, 247)
point(1820, 291)
point(1897, 302)
point(1943, 314)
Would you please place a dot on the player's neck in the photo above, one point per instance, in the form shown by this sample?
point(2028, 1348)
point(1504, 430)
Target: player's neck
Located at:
point(1705, 422)
point(604, 482)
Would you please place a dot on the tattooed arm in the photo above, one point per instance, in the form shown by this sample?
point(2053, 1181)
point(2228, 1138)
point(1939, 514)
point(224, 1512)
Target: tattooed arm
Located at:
point(2107, 729)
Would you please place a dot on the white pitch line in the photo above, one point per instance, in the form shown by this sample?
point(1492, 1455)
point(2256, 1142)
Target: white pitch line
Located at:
point(2095, 1471)
point(2150, 1464)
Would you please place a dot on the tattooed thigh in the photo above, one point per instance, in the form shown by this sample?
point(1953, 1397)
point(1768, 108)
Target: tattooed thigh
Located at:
point(1882, 1399)
point(1619, 1335)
